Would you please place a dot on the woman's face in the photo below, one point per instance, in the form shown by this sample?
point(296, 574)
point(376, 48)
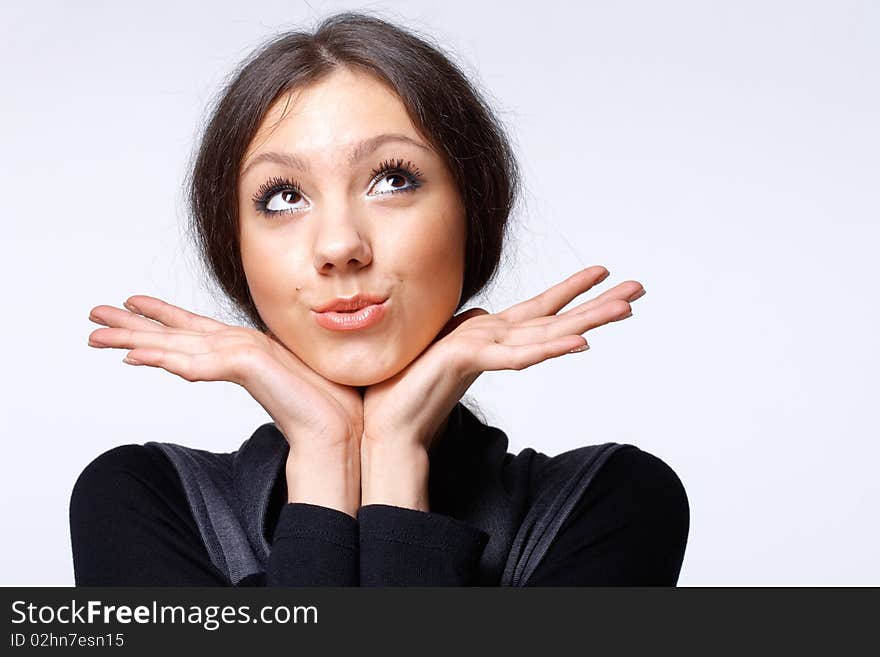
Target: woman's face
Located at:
point(323, 219)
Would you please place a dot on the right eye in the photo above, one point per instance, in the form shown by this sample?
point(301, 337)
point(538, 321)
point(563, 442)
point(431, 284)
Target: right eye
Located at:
point(277, 196)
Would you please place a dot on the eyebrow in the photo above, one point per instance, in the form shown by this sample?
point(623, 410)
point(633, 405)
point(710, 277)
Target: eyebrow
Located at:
point(358, 152)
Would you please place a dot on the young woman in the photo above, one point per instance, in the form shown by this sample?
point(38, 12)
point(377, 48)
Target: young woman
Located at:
point(350, 194)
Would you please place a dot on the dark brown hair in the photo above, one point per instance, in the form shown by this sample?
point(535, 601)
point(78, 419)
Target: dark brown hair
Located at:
point(441, 102)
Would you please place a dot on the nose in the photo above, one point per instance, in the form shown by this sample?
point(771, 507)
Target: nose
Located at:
point(341, 245)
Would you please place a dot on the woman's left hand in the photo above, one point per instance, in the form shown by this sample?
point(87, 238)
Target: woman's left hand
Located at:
point(410, 408)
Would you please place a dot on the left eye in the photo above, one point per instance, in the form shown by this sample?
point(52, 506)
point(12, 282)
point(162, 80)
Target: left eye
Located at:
point(397, 182)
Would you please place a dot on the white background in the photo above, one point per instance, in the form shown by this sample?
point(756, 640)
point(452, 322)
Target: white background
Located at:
point(723, 154)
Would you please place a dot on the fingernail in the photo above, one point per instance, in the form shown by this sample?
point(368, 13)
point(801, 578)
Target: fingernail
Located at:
point(638, 295)
point(581, 348)
point(131, 307)
point(131, 361)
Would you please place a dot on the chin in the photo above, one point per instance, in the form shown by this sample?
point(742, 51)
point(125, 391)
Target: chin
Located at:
point(356, 379)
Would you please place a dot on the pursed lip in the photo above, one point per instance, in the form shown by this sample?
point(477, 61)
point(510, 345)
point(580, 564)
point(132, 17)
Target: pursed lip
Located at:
point(349, 304)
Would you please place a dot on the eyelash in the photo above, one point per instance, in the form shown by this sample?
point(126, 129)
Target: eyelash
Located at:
point(275, 184)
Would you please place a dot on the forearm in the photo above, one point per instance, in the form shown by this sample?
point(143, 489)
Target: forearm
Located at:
point(394, 474)
point(327, 477)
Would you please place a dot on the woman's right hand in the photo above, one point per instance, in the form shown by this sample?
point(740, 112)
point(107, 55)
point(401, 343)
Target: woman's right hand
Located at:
point(314, 414)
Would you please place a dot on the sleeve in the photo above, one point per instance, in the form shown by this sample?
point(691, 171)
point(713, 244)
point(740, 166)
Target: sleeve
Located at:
point(407, 547)
point(629, 529)
point(313, 546)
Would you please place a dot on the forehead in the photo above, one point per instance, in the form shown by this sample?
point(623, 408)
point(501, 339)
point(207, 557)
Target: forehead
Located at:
point(323, 119)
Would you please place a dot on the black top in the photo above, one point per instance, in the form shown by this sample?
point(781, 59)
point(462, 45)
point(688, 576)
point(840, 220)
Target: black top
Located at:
point(131, 525)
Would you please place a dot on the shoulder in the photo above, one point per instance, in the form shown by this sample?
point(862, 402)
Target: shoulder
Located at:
point(638, 487)
point(613, 485)
point(130, 523)
point(121, 461)
point(621, 470)
point(637, 502)
point(124, 474)
point(640, 472)
point(628, 525)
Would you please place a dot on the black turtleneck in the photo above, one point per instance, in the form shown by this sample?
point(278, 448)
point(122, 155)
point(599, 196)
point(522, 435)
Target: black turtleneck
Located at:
point(131, 526)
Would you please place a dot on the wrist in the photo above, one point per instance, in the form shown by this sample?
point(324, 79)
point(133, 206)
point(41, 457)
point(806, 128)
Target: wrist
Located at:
point(325, 477)
point(394, 474)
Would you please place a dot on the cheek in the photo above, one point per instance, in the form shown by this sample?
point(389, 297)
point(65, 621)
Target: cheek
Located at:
point(428, 261)
point(445, 252)
point(430, 244)
point(272, 273)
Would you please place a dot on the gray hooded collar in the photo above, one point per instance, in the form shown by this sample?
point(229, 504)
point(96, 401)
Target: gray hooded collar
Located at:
point(520, 500)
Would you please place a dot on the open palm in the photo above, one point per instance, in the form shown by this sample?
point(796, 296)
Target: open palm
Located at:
point(410, 407)
point(306, 407)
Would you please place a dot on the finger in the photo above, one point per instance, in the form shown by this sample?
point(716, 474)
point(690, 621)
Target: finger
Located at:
point(628, 291)
point(209, 366)
point(517, 357)
point(118, 317)
point(563, 325)
point(171, 315)
point(557, 297)
point(125, 338)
